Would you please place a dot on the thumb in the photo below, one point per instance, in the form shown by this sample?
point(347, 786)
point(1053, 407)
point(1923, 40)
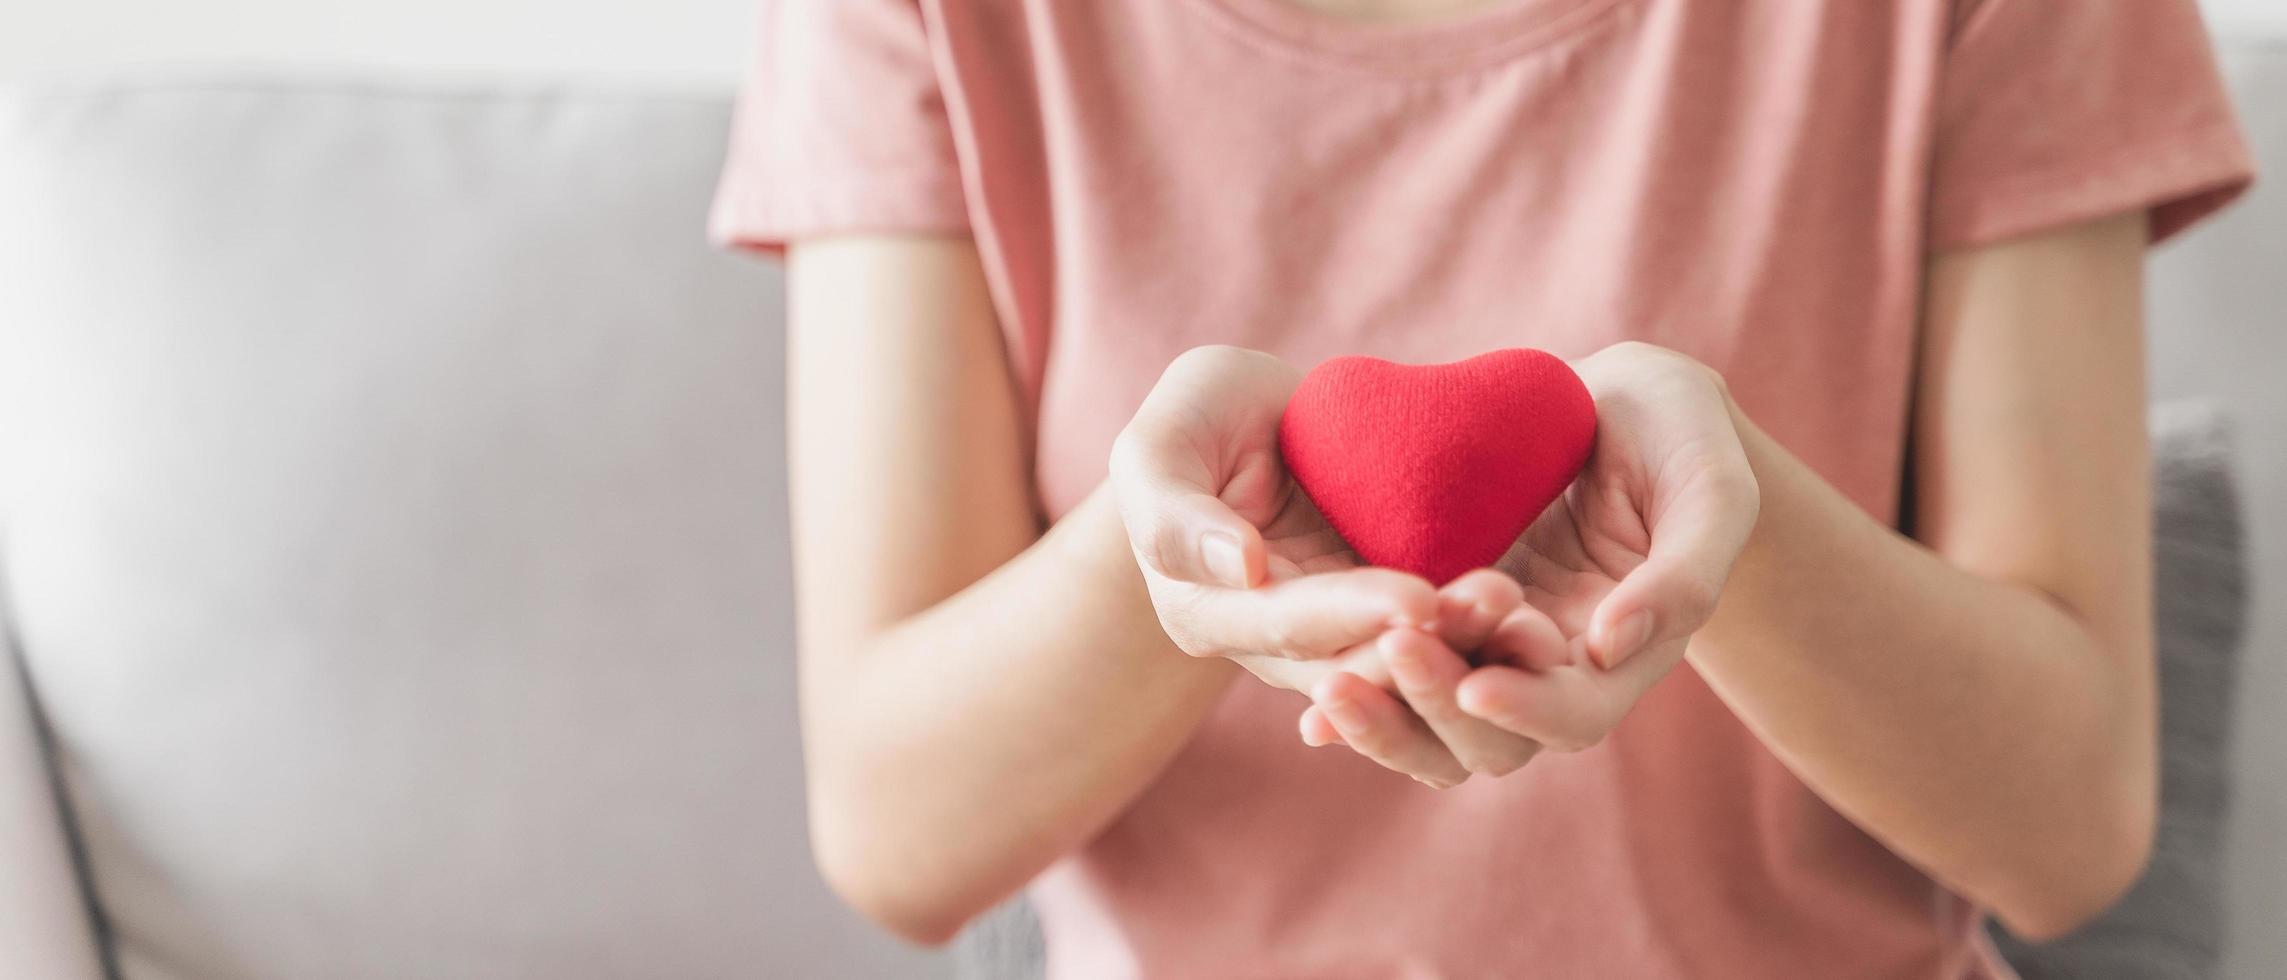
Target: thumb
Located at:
point(1169, 479)
point(1656, 603)
point(1194, 537)
point(1674, 592)
point(1180, 529)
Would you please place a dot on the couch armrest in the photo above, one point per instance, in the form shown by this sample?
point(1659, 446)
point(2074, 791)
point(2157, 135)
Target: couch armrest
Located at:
point(44, 923)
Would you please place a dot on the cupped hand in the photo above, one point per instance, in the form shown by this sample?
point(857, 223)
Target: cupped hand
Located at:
point(1239, 562)
point(1414, 724)
point(1632, 559)
point(1617, 574)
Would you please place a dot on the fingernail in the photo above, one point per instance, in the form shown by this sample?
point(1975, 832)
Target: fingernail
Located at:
point(1226, 561)
point(1346, 716)
point(1629, 637)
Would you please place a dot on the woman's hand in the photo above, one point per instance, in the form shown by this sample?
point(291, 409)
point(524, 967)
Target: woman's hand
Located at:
point(1420, 729)
point(1239, 562)
point(1617, 575)
point(1241, 565)
point(1631, 560)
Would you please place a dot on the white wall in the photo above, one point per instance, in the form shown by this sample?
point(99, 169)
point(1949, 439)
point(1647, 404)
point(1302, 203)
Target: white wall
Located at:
point(657, 38)
point(669, 39)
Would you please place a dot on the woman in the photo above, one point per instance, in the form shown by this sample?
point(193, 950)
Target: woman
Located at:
point(1831, 269)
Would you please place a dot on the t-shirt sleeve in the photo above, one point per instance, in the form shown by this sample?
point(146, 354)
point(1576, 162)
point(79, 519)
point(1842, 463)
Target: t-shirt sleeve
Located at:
point(839, 127)
point(2054, 112)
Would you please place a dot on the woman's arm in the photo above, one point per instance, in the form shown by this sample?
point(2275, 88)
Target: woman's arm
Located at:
point(1982, 701)
point(977, 698)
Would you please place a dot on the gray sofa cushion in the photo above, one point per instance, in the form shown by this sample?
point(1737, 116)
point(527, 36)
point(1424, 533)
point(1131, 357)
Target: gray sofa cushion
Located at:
point(394, 511)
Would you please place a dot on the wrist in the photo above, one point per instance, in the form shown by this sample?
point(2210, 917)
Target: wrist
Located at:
point(1090, 544)
point(1744, 589)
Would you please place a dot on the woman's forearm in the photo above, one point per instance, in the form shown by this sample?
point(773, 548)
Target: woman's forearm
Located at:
point(961, 750)
point(977, 697)
point(1976, 727)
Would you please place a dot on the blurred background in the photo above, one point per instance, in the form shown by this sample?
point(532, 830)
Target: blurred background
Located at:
point(302, 547)
point(673, 39)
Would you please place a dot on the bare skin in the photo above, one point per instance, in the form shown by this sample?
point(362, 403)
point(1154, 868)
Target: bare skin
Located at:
point(955, 751)
point(2028, 588)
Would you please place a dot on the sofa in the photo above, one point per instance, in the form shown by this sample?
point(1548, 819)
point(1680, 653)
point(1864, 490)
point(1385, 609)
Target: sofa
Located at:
point(392, 565)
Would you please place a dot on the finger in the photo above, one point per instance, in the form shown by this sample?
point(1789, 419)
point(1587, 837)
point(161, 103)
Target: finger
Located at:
point(1196, 538)
point(1561, 709)
point(1379, 727)
point(1527, 638)
point(1317, 729)
point(1178, 526)
point(1427, 673)
point(1173, 490)
point(1313, 616)
point(1696, 536)
point(1364, 661)
point(1568, 709)
point(1469, 607)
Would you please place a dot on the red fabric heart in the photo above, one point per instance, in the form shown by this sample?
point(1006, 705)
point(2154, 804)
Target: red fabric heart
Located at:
point(1436, 469)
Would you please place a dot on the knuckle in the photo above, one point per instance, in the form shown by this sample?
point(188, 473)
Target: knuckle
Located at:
point(1695, 600)
point(1126, 445)
point(1672, 358)
point(1732, 484)
point(1203, 358)
point(1751, 499)
point(1736, 481)
point(1132, 451)
point(1129, 466)
point(1707, 371)
point(1667, 360)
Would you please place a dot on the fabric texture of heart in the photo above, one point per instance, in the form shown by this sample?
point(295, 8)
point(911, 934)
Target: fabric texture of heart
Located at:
point(1437, 469)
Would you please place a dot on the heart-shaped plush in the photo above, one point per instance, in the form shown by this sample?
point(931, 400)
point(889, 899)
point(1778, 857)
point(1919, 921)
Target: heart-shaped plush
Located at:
point(1436, 469)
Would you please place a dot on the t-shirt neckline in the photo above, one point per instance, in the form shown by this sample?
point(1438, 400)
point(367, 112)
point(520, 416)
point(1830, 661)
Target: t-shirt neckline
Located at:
point(1459, 41)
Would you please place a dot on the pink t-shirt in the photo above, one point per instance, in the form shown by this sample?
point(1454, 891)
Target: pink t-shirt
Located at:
point(1754, 182)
